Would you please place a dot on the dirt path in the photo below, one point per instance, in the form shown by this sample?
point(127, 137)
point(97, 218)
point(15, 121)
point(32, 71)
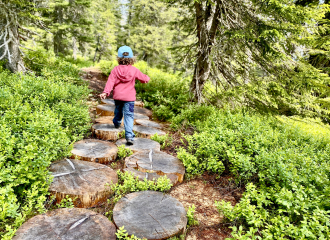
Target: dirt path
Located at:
point(201, 191)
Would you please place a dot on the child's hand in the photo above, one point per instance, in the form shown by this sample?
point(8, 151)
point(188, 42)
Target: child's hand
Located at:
point(103, 95)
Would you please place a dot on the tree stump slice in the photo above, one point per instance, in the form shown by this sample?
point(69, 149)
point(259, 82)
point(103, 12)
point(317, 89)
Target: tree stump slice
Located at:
point(108, 101)
point(143, 111)
point(107, 120)
point(151, 176)
point(94, 150)
point(140, 144)
point(85, 181)
point(162, 163)
point(150, 215)
point(112, 102)
point(105, 110)
point(148, 123)
point(140, 116)
point(147, 132)
point(68, 224)
point(107, 131)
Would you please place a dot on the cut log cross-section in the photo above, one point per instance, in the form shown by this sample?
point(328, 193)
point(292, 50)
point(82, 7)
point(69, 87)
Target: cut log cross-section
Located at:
point(140, 144)
point(107, 131)
point(94, 150)
point(69, 224)
point(107, 120)
point(85, 182)
point(109, 110)
point(112, 102)
point(156, 162)
point(147, 132)
point(148, 123)
point(150, 215)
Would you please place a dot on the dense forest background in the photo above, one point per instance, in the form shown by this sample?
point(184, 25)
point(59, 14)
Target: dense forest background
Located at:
point(251, 77)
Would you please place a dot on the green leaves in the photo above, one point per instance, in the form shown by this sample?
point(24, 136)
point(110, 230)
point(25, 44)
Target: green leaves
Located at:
point(40, 117)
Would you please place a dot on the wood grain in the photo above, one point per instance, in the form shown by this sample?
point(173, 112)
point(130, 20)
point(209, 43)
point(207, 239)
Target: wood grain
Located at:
point(106, 131)
point(150, 215)
point(85, 181)
point(140, 144)
point(94, 150)
point(147, 132)
point(68, 224)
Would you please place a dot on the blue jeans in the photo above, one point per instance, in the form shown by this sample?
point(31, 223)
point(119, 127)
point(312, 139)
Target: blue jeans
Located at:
point(126, 109)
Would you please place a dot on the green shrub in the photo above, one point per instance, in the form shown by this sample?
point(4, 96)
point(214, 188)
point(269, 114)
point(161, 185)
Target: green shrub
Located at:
point(191, 216)
point(124, 152)
point(164, 140)
point(286, 163)
point(127, 183)
point(40, 118)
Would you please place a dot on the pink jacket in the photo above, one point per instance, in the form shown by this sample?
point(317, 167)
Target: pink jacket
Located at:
point(122, 82)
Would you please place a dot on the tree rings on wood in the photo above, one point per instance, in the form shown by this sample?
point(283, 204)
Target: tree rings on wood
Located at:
point(69, 224)
point(106, 131)
point(107, 120)
point(147, 132)
point(150, 215)
point(156, 162)
point(105, 110)
point(140, 144)
point(148, 123)
point(85, 181)
point(94, 150)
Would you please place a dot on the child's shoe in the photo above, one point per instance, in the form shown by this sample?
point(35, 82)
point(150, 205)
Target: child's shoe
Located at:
point(117, 126)
point(129, 142)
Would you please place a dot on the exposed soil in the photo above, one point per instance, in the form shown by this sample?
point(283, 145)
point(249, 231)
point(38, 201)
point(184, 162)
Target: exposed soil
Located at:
point(201, 191)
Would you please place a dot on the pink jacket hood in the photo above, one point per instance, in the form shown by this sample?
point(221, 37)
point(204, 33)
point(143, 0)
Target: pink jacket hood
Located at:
point(122, 82)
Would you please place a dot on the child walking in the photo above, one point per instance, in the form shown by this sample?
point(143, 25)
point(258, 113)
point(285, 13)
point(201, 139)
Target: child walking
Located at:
point(122, 82)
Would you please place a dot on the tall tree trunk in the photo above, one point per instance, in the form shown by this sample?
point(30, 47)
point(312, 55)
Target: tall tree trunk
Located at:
point(74, 46)
point(10, 50)
point(207, 23)
point(58, 35)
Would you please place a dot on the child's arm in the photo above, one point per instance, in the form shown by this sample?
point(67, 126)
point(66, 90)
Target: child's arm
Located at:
point(110, 83)
point(143, 78)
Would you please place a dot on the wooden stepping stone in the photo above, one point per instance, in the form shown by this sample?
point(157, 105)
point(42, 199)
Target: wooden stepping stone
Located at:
point(112, 102)
point(107, 120)
point(156, 162)
point(140, 144)
point(148, 123)
point(68, 224)
point(105, 110)
point(150, 176)
point(94, 150)
point(107, 131)
point(108, 110)
point(85, 181)
point(140, 116)
point(147, 132)
point(150, 215)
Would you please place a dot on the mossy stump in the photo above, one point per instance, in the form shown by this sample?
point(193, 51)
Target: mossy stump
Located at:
point(68, 224)
point(94, 150)
point(84, 182)
point(150, 215)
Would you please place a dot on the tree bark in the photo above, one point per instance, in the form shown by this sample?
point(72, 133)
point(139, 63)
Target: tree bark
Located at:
point(11, 51)
point(58, 35)
point(207, 23)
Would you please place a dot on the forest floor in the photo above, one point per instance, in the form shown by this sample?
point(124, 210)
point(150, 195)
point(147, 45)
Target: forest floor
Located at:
point(202, 191)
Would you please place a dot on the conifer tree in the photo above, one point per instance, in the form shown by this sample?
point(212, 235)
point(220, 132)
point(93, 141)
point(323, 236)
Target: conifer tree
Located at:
point(14, 17)
point(247, 53)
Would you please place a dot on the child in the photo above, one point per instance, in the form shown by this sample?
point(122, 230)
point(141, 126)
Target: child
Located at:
point(122, 82)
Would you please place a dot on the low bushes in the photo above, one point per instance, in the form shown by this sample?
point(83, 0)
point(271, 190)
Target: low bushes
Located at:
point(40, 118)
point(285, 166)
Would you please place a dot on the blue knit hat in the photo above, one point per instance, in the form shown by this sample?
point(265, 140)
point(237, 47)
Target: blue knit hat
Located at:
point(125, 49)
